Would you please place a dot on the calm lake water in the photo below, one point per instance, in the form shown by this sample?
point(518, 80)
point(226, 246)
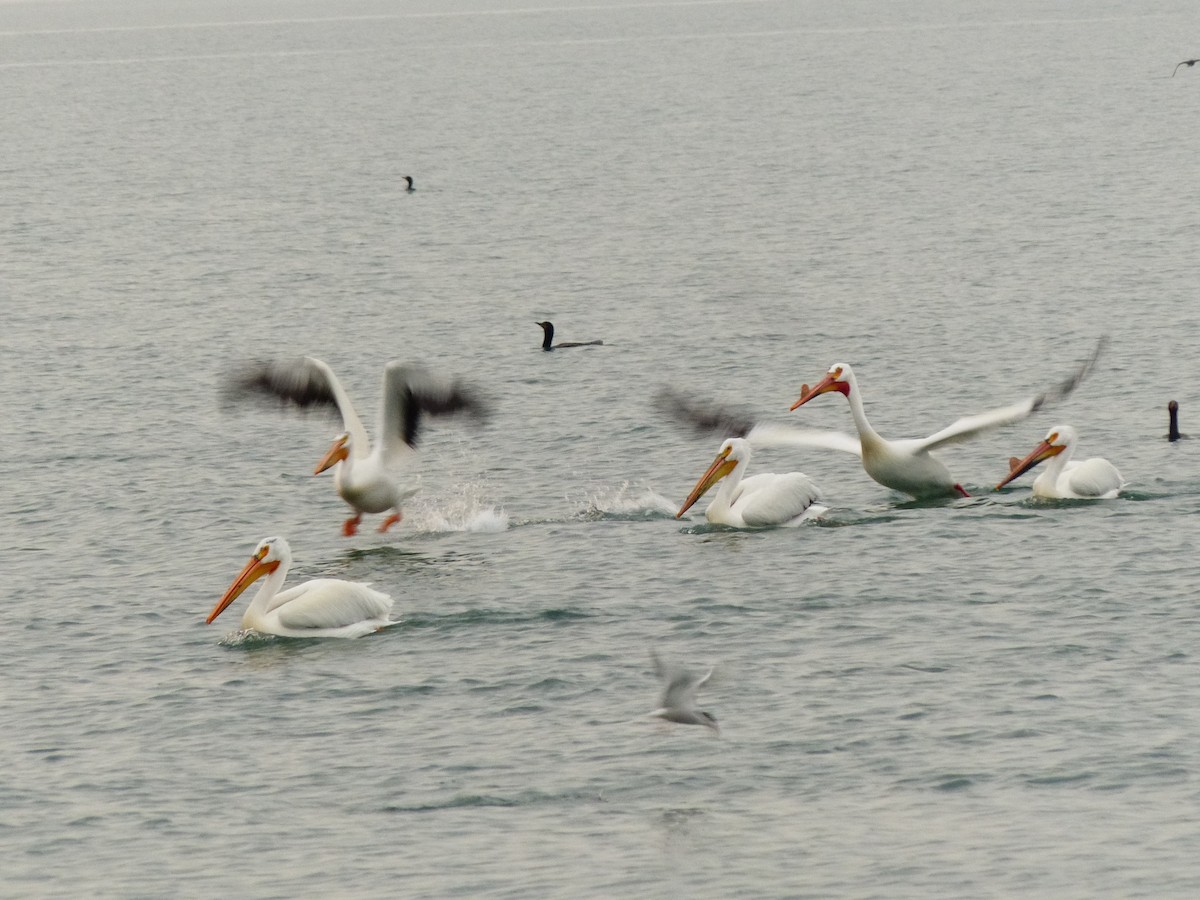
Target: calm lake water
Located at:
point(985, 697)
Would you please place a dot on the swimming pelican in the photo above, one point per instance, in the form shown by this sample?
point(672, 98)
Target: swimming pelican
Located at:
point(1187, 62)
point(757, 501)
point(324, 607)
point(1064, 478)
point(366, 477)
point(909, 466)
point(678, 703)
point(548, 339)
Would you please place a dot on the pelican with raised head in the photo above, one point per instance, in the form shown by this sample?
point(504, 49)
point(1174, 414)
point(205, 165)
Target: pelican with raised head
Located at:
point(909, 466)
point(758, 501)
point(1065, 478)
point(324, 607)
point(367, 477)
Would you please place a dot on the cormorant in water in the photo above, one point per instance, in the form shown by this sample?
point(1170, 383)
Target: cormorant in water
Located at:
point(548, 339)
point(1173, 432)
point(1187, 62)
point(410, 187)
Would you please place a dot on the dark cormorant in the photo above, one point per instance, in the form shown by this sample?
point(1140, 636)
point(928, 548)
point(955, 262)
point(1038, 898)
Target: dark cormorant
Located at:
point(548, 339)
point(410, 187)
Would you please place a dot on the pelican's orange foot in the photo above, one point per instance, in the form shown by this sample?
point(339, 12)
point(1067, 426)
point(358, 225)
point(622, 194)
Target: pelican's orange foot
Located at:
point(350, 526)
point(389, 522)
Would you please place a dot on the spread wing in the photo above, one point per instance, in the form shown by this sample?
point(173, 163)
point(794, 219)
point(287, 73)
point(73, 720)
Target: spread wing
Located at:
point(409, 393)
point(971, 426)
point(302, 383)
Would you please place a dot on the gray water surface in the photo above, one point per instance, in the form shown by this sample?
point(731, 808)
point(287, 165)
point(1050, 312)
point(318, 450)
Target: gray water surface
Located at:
point(971, 698)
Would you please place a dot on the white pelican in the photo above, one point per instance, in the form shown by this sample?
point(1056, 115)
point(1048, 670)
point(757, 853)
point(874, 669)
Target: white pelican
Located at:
point(324, 607)
point(366, 476)
point(548, 339)
point(909, 466)
point(678, 703)
point(1064, 478)
point(757, 501)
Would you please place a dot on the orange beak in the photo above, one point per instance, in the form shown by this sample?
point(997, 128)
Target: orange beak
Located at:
point(255, 569)
point(824, 386)
point(336, 454)
point(1040, 453)
point(721, 467)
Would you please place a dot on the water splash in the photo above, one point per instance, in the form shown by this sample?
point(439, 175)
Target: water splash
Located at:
point(466, 510)
point(627, 502)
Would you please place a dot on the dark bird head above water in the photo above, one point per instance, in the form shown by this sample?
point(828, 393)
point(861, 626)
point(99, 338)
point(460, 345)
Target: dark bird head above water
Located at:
point(410, 188)
point(1187, 62)
point(548, 339)
point(1173, 430)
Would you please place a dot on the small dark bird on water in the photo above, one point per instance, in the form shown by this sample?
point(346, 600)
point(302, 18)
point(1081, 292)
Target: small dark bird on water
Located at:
point(1173, 432)
point(1187, 62)
point(548, 339)
point(410, 187)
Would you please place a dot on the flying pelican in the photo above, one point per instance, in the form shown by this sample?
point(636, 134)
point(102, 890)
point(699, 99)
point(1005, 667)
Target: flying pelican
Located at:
point(366, 477)
point(548, 339)
point(1173, 433)
point(678, 703)
point(1187, 62)
point(757, 501)
point(908, 466)
point(1064, 478)
point(324, 607)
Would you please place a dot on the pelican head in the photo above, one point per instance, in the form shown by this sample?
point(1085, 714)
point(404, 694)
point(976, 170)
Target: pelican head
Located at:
point(1058, 439)
point(267, 557)
point(836, 379)
point(733, 452)
point(336, 453)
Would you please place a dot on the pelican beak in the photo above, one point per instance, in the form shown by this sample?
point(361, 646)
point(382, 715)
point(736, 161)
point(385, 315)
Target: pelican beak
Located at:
point(1040, 453)
point(336, 454)
point(829, 383)
point(721, 467)
point(255, 569)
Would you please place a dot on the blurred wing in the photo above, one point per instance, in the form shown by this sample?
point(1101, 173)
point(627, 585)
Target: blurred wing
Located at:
point(972, 426)
point(782, 436)
point(304, 383)
point(329, 603)
point(409, 393)
point(721, 421)
point(774, 499)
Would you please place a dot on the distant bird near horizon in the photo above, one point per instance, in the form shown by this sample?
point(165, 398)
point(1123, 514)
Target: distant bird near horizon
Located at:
point(1173, 433)
point(548, 339)
point(410, 187)
point(1187, 62)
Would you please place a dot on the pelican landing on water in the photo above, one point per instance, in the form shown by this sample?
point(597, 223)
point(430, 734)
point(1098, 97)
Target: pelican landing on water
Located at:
point(909, 466)
point(368, 478)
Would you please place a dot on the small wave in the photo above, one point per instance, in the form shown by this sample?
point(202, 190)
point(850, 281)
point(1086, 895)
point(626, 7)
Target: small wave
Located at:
point(495, 617)
point(474, 801)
